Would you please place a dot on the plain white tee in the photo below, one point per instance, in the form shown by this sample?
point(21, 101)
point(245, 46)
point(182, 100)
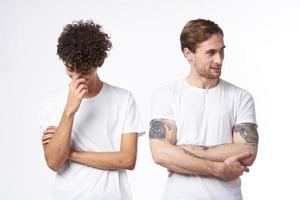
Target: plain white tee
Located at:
point(203, 117)
point(98, 126)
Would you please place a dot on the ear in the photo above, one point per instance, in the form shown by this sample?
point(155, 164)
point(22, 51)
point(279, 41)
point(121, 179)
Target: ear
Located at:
point(188, 54)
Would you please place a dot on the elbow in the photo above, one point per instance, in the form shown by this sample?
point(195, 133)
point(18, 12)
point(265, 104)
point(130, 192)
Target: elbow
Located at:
point(160, 152)
point(128, 162)
point(130, 166)
point(55, 160)
point(53, 165)
point(249, 161)
point(158, 157)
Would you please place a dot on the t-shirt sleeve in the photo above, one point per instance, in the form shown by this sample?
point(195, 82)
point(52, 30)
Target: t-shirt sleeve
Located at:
point(161, 105)
point(246, 109)
point(133, 122)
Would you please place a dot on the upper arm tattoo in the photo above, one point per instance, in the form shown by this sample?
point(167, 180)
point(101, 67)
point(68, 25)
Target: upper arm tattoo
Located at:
point(159, 128)
point(248, 131)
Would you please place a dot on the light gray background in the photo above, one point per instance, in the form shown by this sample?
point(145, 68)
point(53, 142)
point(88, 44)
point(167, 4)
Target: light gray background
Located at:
point(262, 56)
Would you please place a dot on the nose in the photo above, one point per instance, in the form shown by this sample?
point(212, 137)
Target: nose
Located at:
point(218, 59)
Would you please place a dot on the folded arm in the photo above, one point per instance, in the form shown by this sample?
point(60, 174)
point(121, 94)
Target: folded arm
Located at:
point(162, 136)
point(245, 139)
point(123, 159)
point(57, 151)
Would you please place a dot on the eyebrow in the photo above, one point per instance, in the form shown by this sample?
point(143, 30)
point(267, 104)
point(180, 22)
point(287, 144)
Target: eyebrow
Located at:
point(214, 50)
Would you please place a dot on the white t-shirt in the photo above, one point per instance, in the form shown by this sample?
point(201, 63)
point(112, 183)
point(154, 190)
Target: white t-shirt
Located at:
point(203, 117)
point(97, 127)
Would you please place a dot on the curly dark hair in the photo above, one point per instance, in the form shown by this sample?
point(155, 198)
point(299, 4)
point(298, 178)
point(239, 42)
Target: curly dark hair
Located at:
point(83, 45)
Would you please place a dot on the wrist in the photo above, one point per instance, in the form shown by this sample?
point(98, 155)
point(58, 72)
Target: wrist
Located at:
point(217, 169)
point(69, 112)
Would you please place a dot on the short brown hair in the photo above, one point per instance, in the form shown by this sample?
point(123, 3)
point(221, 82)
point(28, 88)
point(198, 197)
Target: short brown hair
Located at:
point(83, 45)
point(197, 31)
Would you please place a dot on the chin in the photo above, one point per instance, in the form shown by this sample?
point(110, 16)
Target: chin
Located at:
point(215, 76)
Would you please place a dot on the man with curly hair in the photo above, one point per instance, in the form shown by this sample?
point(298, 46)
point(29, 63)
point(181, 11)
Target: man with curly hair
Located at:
point(203, 129)
point(90, 128)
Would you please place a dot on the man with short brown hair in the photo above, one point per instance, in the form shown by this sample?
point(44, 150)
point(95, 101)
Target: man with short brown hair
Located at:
point(203, 129)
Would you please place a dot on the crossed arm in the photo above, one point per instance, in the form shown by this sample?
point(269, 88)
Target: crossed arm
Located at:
point(123, 159)
point(57, 140)
point(245, 138)
point(187, 159)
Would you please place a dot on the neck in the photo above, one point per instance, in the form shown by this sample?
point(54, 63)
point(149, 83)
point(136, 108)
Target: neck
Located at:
point(201, 81)
point(94, 87)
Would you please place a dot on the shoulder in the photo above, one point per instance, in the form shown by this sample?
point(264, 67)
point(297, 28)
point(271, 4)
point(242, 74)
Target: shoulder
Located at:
point(234, 90)
point(118, 93)
point(170, 89)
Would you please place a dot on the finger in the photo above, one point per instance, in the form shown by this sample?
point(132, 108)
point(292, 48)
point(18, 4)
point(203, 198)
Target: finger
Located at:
point(170, 173)
point(51, 127)
point(82, 93)
point(47, 136)
point(79, 81)
point(76, 81)
point(81, 87)
point(48, 131)
point(46, 141)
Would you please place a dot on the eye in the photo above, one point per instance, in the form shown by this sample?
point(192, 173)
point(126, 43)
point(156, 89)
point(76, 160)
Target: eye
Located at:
point(211, 52)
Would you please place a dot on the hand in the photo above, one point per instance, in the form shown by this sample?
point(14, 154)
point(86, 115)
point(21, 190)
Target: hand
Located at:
point(48, 134)
point(77, 90)
point(248, 161)
point(232, 168)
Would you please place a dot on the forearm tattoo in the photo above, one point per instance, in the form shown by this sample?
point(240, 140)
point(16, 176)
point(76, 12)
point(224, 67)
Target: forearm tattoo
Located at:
point(158, 128)
point(248, 132)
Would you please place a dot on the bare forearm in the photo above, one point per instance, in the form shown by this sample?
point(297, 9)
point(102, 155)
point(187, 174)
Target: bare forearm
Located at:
point(245, 139)
point(178, 160)
point(57, 151)
point(104, 160)
point(221, 152)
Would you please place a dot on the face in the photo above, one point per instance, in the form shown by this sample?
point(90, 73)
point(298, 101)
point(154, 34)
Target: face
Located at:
point(208, 58)
point(89, 75)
